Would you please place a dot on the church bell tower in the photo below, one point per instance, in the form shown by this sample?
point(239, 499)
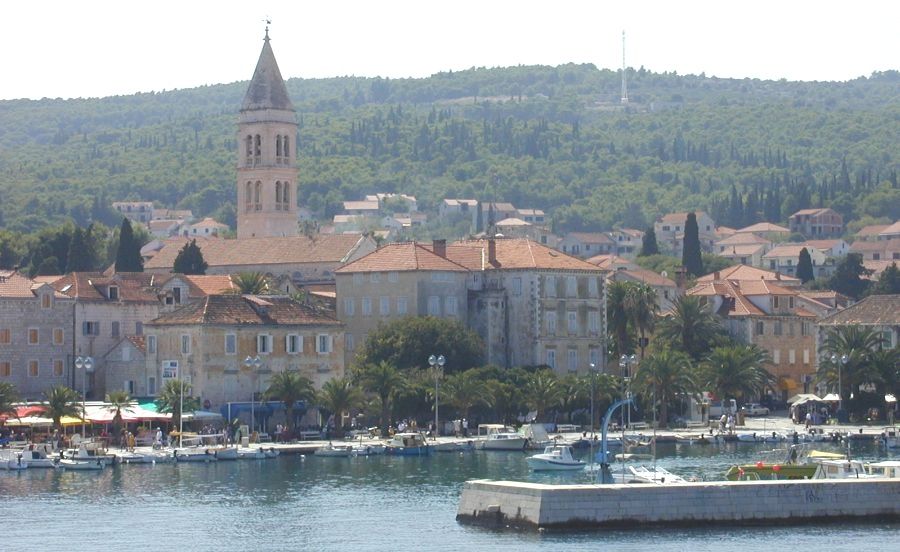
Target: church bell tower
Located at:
point(266, 165)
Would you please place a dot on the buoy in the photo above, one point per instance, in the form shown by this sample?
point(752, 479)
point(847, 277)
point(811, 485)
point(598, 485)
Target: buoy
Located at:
point(759, 464)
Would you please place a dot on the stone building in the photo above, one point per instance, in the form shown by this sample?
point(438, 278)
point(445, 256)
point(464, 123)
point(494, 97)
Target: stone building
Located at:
point(669, 231)
point(817, 223)
point(35, 335)
point(209, 340)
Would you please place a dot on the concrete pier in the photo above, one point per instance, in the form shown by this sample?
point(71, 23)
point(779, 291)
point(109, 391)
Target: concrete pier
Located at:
point(538, 506)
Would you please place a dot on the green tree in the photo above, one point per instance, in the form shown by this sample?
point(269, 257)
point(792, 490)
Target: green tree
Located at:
point(641, 307)
point(60, 401)
point(250, 283)
point(691, 253)
point(888, 282)
point(664, 375)
point(736, 371)
point(384, 381)
point(290, 387)
point(128, 254)
point(118, 401)
point(8, 397)
point(617, 318)
point(648, 244)
point(337, 396)
point(691, 327)
point(174, 398)
point(848, 276)
point(190, 260)
point(408, 342)
point(804, 267)
point(463, 391)
point(503, 398)
point(80, 257)
point(542, 392)
point(856, 345)
point(605, 388)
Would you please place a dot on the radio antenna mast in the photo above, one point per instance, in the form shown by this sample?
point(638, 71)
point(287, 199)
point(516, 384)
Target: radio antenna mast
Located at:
point(624, 83)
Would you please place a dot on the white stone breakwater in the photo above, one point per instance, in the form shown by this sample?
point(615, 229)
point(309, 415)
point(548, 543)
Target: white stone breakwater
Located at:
point(510, 504)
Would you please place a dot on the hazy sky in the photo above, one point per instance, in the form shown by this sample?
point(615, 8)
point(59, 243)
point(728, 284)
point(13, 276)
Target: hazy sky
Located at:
point(56, 48)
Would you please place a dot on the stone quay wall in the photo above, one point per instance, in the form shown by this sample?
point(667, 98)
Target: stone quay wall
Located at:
point(538, 506)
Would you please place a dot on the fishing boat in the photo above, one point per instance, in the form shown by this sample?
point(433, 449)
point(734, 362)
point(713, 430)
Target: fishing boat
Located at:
point(555, 457)
point(12, 460)
point(39, 456)
point(796, 462)
point(500, 437)
point(408, 444)
point(335, 451)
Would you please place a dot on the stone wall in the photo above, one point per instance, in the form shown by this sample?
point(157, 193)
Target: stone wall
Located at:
point(537, 506)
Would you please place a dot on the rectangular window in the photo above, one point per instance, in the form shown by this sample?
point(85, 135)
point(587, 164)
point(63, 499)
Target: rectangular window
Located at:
point(571, 286)
point(293, 344)
point(114, 329)
point(778, 327)
point(791, 302)
point(572, 360)
point(113, 293)
point(90, 328)
point(551, 323)
point(358, 278)
point(805, 356)
point(401, 305)
point(323, 344)
point(594, 355)
point(33, 336)
point(128, 387)
point(33, 369)
point(58, 336)
point(185, 344)
point(176, 295)
point(393, 277)
point(375, 277)
point(572, 322)
point(151, 344)
point(151, 385)
point(775, 301)
point(451, 305)
point(367, 306)
point(230, 344)
point(551, 358)
point(594, 322)
point(384, 305)
point(5, 369)
point(126, 353)
point(792, 357)
point(349, 343)
point(434, 306)
point(349, 306)
point(791, 329)
point(760, 328)
point(593, 287)
point(58, 368)
point(5, 338)
point(517, 286)
point(776, 356)
point(263, 344)
point(45, 301)
point(550, 282)
point(138, 328)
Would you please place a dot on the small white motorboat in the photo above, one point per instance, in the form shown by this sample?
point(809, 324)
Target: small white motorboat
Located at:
point(224, 453)
point(454, 446)
point(644, 475)
point(193, 454)
point(39, 456)
point(368, 450)
point(134, 458)
point(555, 457)
point(81, 465)
point(12, 460)
point(334, 451)
point(500, 437)
point(251, 454)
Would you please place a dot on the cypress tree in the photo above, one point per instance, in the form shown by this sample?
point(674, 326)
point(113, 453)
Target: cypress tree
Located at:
point(648, 244)
point(804, 266)
point(190, 260)
point(690, 255)
point(888, 282)
point(80, 258)
point(128, 255)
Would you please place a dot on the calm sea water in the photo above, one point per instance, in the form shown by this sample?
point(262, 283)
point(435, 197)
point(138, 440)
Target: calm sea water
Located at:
point(376, 503)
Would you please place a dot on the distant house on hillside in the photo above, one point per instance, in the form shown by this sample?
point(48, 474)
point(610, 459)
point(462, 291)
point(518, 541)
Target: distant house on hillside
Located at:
point(784, 259)
point(586, 244)
point(669, 231)
point(135, 211)
point(817, 223)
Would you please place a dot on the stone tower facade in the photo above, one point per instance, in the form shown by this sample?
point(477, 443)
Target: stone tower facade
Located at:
point(266, 166)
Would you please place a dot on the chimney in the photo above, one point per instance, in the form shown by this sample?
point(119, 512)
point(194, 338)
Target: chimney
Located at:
point(716, 275)
point(492, 251)
point(440, 248)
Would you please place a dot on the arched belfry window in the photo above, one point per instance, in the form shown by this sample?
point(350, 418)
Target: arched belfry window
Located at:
point(248, 196)
point(249, 148)
point(286, 196)
point(278, 153)
point(286, 149)
point(256, 195)
point(278, 196)
point(257, 151)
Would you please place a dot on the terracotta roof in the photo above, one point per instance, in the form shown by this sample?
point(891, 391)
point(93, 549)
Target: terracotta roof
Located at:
point(533, 212)
point(678, 217)
point(164, 224)
point(211, 284)
point(246, 310)
point(591, 237)
point(514, 254)
point(880, 246)
point(361, 205)
point(14, 285)
point(877, 267)
point(811, 211)
point(134, 287)
point(212, 223)
point(762, 287)
point(891, 230)
point(792, 251)
point(455, 202)
point(261, 251)
point(743, 239)
point(728, 290)
point(821, 244)
point(647, 276)
point(138, 341)
point(877, 310)
point(748, 249)
point(871, 230)
point(744, 272)
point(611, 262)
point(513, 222)
point(764, 227)
point(401, 257)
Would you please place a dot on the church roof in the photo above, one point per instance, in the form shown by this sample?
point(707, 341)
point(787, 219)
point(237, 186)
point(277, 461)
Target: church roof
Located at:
point(267, 89)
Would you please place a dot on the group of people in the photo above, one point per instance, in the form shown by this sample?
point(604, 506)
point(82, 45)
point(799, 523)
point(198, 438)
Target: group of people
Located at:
point(727, 423)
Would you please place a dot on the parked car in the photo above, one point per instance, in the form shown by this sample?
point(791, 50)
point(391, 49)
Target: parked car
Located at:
point(754, 409)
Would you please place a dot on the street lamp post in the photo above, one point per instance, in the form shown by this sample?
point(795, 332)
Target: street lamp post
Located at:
point(437, 367)
point(87, 364)
point(844, 359)
point(253, 364)
point(593, 376)
point(625, 363)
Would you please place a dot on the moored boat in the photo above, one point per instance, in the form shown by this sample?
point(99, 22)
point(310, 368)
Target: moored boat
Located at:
point(334, 451)
point(500, 437)
point(39, 456)
point(81, 464)
point(408, 444)
point(555, 457)
point(643, 475)
point(890, 437)
point(796, 462)
point(12, 460)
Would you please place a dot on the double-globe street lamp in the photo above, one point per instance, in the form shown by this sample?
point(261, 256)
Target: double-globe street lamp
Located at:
point(842, 361)
point(437, 368)
point(625, 363)
point(85, 363)
point(253, 364)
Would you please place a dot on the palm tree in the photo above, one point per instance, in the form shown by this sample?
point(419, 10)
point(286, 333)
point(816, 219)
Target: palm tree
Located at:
point(60, 401)
point(640, 304)
point(542, 391)
point(250, 283)
point(736, 371)
point(337, 396)
point(175, 398)
point(463, 391)
point(604, 387)
point(857, 344)
point(617, 317)
point(503, 398)
point(570, 394)
point(691, 327)
point(8, 397)
point(290, 387)
point(384, 380)
point(118, 400)
point(665, 374)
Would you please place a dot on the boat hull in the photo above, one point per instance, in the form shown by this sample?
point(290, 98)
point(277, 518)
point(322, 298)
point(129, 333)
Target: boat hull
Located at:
point(409, 451)
point(504, 444)
point(541, 464)
point(768, 471)
point(81, 465)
